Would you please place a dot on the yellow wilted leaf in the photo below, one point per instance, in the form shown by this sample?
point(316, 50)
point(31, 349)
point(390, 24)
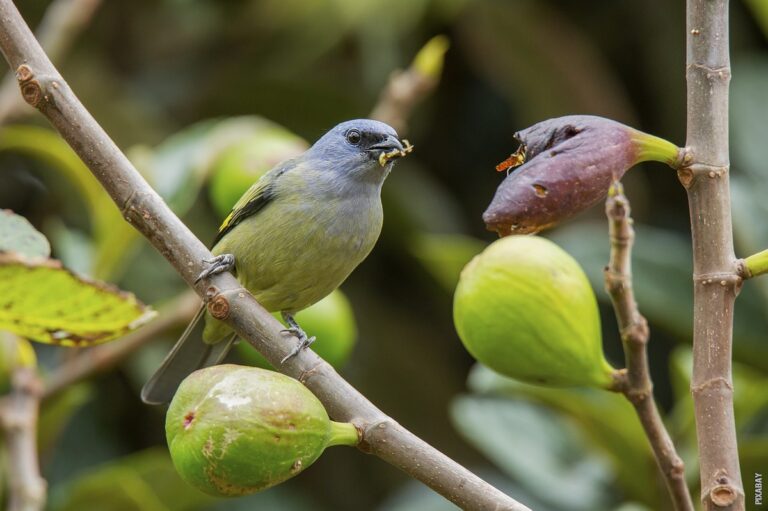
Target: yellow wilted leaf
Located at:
point(45, 302)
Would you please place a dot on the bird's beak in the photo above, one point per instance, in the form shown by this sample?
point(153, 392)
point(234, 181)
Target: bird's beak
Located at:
point(390, 148)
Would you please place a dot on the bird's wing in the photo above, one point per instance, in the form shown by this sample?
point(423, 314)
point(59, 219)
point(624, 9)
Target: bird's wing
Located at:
point(188, 354)
point(261, 193)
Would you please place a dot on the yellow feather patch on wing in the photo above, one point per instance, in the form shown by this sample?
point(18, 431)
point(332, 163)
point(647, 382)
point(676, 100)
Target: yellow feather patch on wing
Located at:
point(226, 221)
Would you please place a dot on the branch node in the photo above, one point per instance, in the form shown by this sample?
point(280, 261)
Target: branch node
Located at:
point(33, 88)
point(723, 495)
point(714, 383)
point(637, 333)
point(306, 374)
point(218, 307)
point(742, 270)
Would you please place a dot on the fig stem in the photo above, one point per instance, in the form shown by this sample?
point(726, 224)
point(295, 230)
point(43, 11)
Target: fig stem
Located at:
point(756, 264)
point(343, 433)
point(653, 148)
point(635, 382)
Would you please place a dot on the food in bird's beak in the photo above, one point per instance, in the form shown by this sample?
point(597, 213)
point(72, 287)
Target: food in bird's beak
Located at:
point(396, 153)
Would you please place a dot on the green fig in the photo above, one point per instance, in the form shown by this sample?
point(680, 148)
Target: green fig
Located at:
point(524, 308)
point(243, 164)
point(235, 430)
point(15, 352)
point(331, 321)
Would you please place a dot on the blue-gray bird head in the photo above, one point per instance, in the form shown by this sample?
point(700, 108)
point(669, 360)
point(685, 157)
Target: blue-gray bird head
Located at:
point(354, 148)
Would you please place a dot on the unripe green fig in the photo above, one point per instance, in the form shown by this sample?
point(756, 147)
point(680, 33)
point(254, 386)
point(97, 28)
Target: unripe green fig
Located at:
point(524, 308)
point(331, 321)
point(235, 430)
point(243, 164)
point(15, 352)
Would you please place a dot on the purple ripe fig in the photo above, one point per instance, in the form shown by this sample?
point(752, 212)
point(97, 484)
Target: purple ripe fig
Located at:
point(567, 165)
point(235, 430)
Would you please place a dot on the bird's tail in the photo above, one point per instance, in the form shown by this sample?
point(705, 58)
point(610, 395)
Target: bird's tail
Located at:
point(188, 354)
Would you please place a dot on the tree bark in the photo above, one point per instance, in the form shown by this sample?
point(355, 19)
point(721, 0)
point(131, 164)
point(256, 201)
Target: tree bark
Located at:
point(715, 271)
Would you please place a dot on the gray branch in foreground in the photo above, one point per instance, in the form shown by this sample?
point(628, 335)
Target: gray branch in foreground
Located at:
point(18, 421)
point(716, 277)
point(44, 88)
point(635, 382)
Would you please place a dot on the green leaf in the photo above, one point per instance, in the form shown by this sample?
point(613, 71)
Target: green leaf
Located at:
point(662, 267)
point(749, 402)
point(114, 237)
point(241, 164)
point(541, 453)
point(145, 481)
point(57, 411)
point(444, 255)
point(18, 235)
point(620, 439)
point(44, 302)
point(179, 166)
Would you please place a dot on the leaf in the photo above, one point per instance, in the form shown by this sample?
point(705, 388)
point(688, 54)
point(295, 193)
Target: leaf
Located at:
point(114, 237)
point(445, 255)
point(621, 439)
point(44, 302)
point(18, 235)
point(57, 412)
point(178, 167)
point(662, 268)
point(525, 442)
point(145, 481)
point(749, 402)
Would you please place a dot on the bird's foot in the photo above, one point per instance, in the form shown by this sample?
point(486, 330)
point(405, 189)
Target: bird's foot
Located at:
point(294, 329)
point(304, 343)
point(219, 264)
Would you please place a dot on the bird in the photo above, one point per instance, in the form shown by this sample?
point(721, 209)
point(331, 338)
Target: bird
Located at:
point(294, 236)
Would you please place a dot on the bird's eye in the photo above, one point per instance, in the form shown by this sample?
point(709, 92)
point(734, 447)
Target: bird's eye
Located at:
point(354, 137)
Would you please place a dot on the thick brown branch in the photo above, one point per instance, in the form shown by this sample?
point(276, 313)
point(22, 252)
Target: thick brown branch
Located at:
point(102, 358)
point(146, 211)
point(63, 21)
point(18, 419)
point(637, 385)
point(716, 279)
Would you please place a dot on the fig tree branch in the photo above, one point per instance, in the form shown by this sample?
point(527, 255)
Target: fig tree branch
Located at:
point(102, 358)
point(716, 278)
point(62, 22)
point(406, 88)
point(403, 90)
point(635, 381)
point(18, 421)
point(43, 87)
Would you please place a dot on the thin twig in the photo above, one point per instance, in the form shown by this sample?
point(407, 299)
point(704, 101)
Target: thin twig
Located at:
point(406, 88)
point(62, 22)
point(715, 268)
point(18, 419)
point(635, 381)
point(102, 358)
point(403, 91)
point(44, 87)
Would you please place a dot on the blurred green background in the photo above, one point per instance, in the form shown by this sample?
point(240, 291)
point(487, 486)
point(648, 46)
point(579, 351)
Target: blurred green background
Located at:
point(178, 85)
